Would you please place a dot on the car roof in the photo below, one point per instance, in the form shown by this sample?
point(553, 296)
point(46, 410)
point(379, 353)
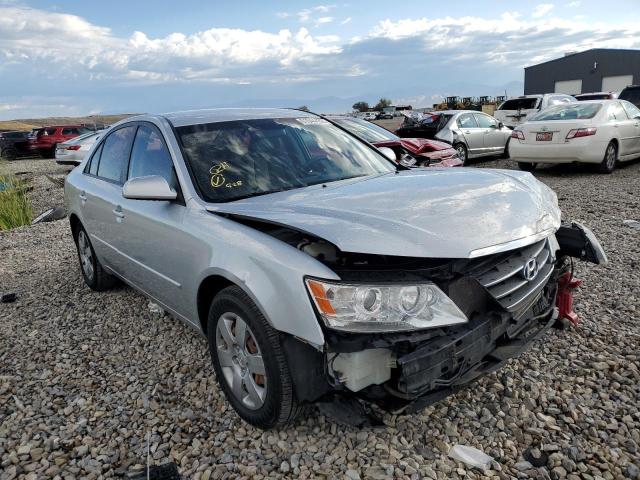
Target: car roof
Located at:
point(214, 115)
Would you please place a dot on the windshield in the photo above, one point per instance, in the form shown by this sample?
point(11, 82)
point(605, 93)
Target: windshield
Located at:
point(519, 104)
point(239, 159)
point(366, 130)
point(571, 111)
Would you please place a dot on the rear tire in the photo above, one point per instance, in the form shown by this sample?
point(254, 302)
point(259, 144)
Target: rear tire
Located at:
point(9, 154)
point(608, 164)
point(94, 275)
point(265, 399)
point(527, 167)
point(505, 153)
point(463, 153)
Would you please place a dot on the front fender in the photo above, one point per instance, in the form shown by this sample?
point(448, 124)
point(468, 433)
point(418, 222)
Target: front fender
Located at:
point(270, 271)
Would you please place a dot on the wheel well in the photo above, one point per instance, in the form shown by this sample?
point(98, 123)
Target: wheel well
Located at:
point(208, 289)
point(74, 221)
point(615, 142)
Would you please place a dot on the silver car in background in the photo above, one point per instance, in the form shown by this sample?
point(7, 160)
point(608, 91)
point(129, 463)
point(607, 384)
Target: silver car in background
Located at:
point(319, 270)
point(72, 151)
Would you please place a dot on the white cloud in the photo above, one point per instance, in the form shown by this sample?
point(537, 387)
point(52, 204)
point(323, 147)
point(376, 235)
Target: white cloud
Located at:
point(574, 4)
point(345, 21)
point(308, 14)
point(542, 9)
point(77, 49)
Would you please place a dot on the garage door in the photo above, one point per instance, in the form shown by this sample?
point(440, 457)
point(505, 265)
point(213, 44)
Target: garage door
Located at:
point(570, 87)
point(617, 83)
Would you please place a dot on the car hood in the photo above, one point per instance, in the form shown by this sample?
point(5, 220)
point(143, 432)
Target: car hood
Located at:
point(438, 213)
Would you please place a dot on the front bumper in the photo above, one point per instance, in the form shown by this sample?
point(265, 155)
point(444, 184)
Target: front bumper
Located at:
point(428, 365)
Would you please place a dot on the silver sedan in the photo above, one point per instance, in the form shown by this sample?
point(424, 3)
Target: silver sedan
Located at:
point(317, 268)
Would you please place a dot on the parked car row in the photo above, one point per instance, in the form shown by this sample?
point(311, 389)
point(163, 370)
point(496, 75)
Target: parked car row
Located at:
point(48, 142)
point(318, 269)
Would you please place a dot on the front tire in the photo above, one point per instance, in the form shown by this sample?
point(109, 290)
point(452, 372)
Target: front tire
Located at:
point(527, 167)
point(463, 153)
point(608, 164)
point(250, 365)
point(94, 275)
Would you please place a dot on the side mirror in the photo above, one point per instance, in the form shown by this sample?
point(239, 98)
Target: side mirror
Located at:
point(500, 125)
point(152, 187)
point(387, 152)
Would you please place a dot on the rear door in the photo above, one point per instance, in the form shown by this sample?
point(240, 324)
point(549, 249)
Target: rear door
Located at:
point(625, 128)
point(102, 197)
point(473, 134)
point(634, 114)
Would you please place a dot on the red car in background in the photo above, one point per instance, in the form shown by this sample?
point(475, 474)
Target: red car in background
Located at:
point(44, 141)
point(422, 152)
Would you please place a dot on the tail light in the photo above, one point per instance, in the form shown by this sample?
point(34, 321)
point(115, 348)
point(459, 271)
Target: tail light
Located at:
point(517, 134)
point(581, 132)
point(73, 147)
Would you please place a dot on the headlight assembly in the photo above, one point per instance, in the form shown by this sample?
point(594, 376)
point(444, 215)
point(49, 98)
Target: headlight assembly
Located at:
point(382, 308)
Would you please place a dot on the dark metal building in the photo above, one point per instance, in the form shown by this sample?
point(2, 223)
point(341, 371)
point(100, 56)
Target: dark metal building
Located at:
point(595, 70)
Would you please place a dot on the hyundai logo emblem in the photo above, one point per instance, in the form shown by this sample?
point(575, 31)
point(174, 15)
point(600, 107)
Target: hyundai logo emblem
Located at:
point(530, 269)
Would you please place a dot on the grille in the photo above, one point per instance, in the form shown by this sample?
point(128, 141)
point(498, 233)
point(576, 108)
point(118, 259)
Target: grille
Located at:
point(516, 278)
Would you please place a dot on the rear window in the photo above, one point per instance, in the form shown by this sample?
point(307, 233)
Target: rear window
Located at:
point(568, 112)
point(595, 96)
point(520, 104)
point(631, 95)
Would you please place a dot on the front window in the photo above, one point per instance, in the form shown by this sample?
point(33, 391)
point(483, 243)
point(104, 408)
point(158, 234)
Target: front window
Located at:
point(574, 111)
point(239, 159)
point(366, 130)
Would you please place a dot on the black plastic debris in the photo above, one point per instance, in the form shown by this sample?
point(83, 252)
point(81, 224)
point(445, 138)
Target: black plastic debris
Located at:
point(56, 213)
point(167, 471)
point(8, 297)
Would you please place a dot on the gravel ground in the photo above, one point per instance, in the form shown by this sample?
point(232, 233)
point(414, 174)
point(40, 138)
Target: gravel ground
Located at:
point(87, 379)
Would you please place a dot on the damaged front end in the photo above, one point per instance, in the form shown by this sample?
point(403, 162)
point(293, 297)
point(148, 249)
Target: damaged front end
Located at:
point(508, 300)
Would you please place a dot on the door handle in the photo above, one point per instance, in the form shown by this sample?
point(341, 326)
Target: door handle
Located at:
point(615, 125)
point(467, 131)
point(118, 212)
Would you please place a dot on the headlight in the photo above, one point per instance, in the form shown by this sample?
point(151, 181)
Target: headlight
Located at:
point(382, 308)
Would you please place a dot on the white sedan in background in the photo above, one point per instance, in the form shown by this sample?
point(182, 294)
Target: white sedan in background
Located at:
point(600, 132)
point(72, 151)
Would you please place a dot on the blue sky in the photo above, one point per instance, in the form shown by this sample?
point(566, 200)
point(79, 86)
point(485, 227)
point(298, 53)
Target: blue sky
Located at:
point(77, 58)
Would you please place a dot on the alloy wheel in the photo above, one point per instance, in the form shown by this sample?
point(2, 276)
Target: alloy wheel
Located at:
point(611, 157)
point(241, 360)
point(86, 256)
